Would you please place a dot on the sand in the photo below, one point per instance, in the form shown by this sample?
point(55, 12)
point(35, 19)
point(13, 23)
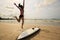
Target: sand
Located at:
point(10, 31)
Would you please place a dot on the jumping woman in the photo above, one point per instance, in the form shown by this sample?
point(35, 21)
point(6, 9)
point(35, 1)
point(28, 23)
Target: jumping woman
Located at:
point(21, 16)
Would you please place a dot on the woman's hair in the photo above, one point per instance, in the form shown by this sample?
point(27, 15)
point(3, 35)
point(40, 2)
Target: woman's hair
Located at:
point(20, 5)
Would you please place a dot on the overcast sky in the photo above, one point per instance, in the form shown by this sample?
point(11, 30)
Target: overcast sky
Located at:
point(34, 9)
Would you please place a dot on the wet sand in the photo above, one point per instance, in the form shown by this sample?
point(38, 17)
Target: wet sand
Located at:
point(10, 31)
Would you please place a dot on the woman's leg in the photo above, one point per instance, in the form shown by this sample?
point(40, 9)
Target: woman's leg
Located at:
point(18, 19)
point(22, 22)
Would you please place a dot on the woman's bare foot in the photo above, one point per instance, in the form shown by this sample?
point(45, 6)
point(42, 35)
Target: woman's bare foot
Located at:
point(15, 17)
point(22, 27)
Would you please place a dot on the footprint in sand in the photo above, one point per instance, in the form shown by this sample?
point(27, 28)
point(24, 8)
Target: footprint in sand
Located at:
point(45, 30)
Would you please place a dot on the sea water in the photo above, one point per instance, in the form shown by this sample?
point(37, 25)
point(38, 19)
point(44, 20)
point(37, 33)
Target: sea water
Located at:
point(40, 22)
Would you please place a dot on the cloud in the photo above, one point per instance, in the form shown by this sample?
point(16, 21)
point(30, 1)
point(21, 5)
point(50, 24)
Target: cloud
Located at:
point(44, 3)
point(48, 2)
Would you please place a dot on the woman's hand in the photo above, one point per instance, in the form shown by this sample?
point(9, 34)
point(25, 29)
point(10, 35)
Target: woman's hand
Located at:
point(14, 3)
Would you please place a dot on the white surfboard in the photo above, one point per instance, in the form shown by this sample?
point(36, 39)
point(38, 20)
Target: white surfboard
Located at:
point(27, 33)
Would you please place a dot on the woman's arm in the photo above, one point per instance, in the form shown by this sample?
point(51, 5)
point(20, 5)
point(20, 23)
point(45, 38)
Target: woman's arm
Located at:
point(16, 5)
point(23, 3)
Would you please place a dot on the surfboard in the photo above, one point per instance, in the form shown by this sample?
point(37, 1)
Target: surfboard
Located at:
point(27, 32)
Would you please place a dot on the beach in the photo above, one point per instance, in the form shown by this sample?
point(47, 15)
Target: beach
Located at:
point(10, 31)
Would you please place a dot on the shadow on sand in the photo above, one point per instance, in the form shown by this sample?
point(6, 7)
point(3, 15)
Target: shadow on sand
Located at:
point(31, 36)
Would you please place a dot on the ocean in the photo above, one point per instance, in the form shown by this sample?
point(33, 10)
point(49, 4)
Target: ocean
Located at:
point(40, 22)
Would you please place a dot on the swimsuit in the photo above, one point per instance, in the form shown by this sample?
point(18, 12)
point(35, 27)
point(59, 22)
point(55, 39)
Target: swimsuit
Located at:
point(21, 16)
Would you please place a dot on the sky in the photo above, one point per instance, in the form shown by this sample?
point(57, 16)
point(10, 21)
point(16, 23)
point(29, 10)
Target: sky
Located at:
point(36, 9)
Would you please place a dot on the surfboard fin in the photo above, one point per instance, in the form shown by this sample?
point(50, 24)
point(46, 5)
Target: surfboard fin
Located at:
point(33, 28)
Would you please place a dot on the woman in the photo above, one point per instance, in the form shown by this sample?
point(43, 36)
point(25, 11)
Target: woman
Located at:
point(21, 16)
